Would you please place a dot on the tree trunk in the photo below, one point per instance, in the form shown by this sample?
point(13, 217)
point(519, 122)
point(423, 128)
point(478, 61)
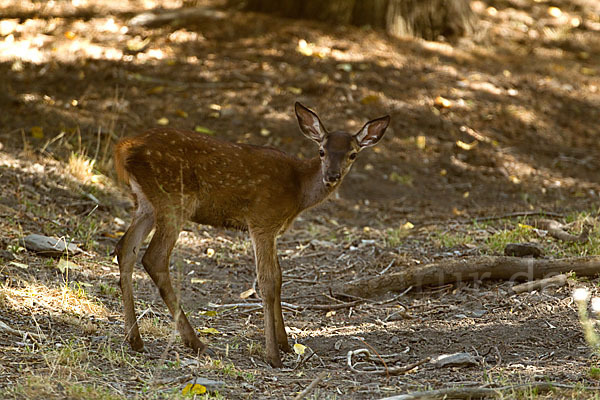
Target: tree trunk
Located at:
point(429, 19)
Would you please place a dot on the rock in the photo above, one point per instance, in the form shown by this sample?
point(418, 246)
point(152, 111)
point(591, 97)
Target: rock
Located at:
point(455, 360)
point(49, 246)
point(523, 250)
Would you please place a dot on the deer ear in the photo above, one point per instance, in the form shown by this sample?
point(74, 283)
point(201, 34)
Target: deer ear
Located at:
point(310, 124)
point(372, 132)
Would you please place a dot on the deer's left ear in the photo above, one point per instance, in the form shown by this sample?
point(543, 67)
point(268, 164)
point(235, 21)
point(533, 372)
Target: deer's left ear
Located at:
point(372, 132)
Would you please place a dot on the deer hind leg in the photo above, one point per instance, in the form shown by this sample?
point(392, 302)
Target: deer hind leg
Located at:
point(269, 283)
point(127, 250)
point(156, 263)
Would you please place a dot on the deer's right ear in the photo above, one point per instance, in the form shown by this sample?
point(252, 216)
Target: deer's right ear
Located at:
point(310, 124)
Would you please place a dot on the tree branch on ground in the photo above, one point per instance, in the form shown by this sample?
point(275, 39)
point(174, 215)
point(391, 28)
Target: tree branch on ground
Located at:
point(471, 269)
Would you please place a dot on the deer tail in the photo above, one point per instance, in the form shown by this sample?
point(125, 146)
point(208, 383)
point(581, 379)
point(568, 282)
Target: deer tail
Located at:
point(121, 153)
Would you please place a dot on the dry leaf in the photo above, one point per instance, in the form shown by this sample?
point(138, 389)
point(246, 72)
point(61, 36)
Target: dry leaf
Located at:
point(209, 331)
point(457, 212)
point(421, 142)
point(202, 129)
point(299, 348)
point(163, 121)
point(372, 98)
point(442, 102)
point(37, 132)
point(247, 293)
point(466, 146)
point(193, 389)
point(64, 265)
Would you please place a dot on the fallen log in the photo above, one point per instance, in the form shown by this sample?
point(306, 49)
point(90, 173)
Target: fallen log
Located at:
point(472, 269)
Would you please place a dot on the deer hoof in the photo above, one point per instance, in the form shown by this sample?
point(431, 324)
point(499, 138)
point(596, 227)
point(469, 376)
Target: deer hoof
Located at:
point(285, 347)
point(275, 361)
point(137, 344)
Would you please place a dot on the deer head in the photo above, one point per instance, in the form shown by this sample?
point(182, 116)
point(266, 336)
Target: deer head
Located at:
point(338, 149)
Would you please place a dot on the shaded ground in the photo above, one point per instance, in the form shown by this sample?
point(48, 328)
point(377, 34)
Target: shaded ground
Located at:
point(501, 122)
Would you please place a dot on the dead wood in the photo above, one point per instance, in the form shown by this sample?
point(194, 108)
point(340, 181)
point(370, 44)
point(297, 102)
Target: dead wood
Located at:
point(557, 231)
point(312, 385)
point(557, 280)
point(515, 215)
point(471, 269)
point(484, 392)
point(394, 370)
point(153, 19)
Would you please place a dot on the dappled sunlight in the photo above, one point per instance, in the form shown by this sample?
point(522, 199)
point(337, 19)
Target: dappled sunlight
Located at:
point(36, 298)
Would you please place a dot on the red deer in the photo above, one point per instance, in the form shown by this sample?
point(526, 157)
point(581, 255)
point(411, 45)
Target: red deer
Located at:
point(178, 175)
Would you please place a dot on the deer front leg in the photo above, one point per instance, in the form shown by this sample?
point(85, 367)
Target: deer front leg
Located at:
point(156, 263)
point(269, 283)
point(282, 339)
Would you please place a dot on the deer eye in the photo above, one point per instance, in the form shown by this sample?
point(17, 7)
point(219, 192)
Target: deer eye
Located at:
point(322, 153)
point(352, 156)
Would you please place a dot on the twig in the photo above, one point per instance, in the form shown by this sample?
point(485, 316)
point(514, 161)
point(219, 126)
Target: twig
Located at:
point(557, 231)
point(310, 387)
point(514, 215)
point(387, 373)
point(397, 370)
point(557, 280)
point(383, 271)
point(292, 307)
point(483, 392)
point(5, 328)
point(330, 306)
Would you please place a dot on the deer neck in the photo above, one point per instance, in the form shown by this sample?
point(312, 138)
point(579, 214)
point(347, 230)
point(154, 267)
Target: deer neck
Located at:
point(313, 189)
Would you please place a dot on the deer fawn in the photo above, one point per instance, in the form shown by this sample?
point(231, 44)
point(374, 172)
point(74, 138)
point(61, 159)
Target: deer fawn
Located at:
point(180, 175)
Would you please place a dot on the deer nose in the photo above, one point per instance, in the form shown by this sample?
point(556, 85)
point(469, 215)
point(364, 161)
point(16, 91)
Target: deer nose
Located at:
point(334, 177)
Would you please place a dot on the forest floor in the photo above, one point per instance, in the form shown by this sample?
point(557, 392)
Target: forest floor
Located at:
point(503, 122)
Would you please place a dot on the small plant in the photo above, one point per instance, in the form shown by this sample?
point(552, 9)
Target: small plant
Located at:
point(594, 372)
point(582, 297)
point(255, 349)
point(81, 167)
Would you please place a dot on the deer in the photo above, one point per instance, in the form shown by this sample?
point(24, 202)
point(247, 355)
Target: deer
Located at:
point(177, 176)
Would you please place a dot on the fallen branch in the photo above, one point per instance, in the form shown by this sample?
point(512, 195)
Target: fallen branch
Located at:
point(153, 19)
point(470, 269)
point(557, 231)
point(557, 280)
point(15, 332)
point(312, 385)
point(484, 392)
point(516, 215)
point(396, 370)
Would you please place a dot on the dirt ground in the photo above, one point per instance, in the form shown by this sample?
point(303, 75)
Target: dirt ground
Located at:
point(503, 121)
